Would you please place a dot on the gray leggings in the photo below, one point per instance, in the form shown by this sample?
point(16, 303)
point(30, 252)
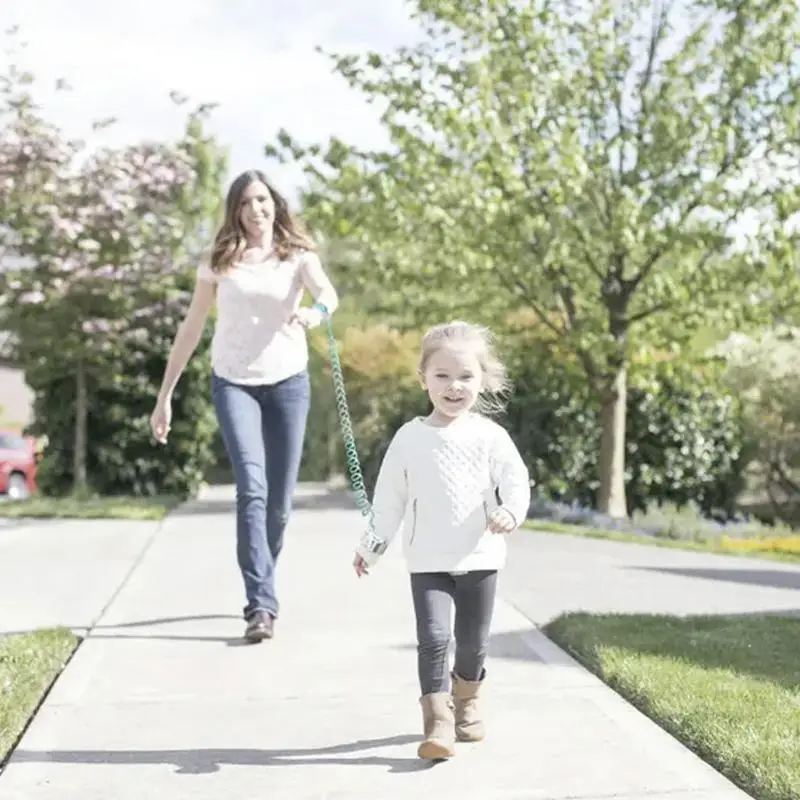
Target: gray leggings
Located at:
point(435, 594)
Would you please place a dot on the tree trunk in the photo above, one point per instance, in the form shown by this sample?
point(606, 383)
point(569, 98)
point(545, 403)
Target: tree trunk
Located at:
point(613, 411)
point(81, 415)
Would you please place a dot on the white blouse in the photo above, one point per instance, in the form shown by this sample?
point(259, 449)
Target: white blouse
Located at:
point(253, 341)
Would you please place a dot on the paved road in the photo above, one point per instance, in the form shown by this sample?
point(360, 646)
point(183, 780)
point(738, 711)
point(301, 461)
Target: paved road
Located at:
point(549, 574)
point(163, 699)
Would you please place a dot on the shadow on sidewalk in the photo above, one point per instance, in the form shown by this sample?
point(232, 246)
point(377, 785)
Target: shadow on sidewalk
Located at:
point(97, 632)
point(509, 646)
point(205, 761)
point(774, 578)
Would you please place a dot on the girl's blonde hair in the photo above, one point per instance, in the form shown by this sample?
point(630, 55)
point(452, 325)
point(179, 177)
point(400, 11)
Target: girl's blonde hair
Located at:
point(495, 384)
point(230, 242)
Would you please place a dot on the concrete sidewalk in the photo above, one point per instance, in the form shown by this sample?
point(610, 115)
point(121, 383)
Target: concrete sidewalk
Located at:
point(65, 572)
point(163, 701)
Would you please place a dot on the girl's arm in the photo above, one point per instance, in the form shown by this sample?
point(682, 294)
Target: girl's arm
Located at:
point(511, 477)
point(318, 283)
point(188, 336)
point(388, 505)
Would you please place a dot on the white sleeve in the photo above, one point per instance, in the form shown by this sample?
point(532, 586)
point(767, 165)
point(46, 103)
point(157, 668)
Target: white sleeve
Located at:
point(510, 476)
point(317, 281)
point(388, 504)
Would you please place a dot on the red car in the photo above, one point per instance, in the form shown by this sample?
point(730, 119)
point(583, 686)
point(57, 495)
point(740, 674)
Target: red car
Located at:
point(18, 461)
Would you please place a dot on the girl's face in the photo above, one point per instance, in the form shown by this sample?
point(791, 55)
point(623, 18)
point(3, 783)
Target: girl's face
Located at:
point(257, 211)
point(453, 378)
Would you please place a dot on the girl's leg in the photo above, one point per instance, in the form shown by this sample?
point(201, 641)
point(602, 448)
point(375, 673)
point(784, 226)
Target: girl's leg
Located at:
point(239, 414)
point(285, 407)
point(474, 600)
point(432, 593)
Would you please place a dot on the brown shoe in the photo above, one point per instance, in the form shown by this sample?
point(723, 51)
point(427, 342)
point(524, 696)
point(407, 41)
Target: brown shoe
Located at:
point(259, 627)
point(437, 716)
point(468, 719)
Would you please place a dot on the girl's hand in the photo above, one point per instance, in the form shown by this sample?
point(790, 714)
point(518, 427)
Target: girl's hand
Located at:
point(360, 566)
point(502, 521)
point(160, 421)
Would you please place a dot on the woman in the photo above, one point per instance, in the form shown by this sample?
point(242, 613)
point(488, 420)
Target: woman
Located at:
point(260, 265)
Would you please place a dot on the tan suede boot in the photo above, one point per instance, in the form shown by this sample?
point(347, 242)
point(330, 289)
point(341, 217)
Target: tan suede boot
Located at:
point(438, 725)
point(468, 722)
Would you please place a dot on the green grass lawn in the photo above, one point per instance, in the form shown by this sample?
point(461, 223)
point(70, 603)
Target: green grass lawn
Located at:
point(134, 508)
point(29, 663)
point(711, 546)
point(728, 688)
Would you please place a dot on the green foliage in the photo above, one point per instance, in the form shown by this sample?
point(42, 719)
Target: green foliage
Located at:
point(102, 246)
point(685, 442)
point(379, 367)
point(121, 456)
point(591, 165)
point(684, 436)
point(764, 371)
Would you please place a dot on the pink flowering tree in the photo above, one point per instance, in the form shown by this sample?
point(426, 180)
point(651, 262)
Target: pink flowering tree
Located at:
point(97, 247)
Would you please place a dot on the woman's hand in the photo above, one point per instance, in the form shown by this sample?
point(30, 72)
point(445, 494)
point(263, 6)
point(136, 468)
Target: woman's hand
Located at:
point(160, 420)
point(306, 317)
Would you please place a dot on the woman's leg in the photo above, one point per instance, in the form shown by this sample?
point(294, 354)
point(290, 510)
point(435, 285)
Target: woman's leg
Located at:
point(239, 414)
point(474, 600)
point(432, 593)
point(285, 411)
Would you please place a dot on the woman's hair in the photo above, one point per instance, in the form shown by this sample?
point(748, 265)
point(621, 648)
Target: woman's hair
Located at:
point(495, 383)
point(230, 241)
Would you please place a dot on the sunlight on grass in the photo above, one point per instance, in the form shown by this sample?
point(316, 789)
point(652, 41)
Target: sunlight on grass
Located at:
point(29, 663)
point(728, 688)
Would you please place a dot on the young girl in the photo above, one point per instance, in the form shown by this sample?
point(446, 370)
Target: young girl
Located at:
point(455, 483)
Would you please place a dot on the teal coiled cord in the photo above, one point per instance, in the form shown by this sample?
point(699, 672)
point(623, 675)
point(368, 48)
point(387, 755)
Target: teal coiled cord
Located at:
point(369, 540)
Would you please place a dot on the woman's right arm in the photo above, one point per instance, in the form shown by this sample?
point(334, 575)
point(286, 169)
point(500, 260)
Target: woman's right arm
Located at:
point(187, 337)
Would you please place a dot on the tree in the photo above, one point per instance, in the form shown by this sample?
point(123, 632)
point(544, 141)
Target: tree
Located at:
point(594, 163)
point(97, 241)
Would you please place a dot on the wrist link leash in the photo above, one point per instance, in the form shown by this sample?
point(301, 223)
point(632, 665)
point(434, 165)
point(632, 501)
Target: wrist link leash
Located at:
point(369, 541)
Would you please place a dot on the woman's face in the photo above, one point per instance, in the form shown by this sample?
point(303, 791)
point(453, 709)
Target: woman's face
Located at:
point(256, 211)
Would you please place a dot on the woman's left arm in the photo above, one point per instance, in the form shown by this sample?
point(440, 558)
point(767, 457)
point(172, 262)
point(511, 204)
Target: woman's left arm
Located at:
point(318, 283)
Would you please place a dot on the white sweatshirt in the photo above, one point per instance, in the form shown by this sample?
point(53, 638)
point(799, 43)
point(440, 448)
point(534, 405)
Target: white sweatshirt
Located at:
point(438, 485)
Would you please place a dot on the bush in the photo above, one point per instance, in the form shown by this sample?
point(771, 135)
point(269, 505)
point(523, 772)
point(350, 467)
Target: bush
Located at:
point(686, 442)
point(685, 438)
point(379, 368)
point(122, 457)
point(765, 373)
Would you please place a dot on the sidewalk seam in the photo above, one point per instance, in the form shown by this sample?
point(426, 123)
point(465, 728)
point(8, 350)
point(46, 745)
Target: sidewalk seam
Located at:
point(128, 575)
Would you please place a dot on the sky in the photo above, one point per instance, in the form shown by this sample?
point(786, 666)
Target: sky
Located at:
point(255, 58)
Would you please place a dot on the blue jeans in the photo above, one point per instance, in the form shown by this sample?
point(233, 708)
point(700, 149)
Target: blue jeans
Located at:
point(263, 428)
